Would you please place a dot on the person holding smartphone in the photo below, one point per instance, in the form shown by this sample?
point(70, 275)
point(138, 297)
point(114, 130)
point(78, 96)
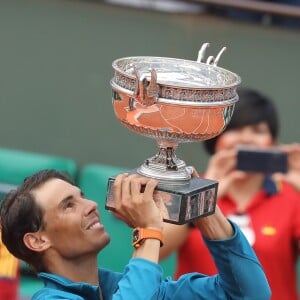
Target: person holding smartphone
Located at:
point(265, 205)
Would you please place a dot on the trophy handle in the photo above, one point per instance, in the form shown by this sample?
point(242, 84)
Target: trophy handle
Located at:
point(219, 55)
point(210, 60)
point(146, 91)
point(201, 52)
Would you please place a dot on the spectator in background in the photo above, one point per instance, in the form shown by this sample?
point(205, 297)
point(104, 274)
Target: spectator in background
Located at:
point(9, 275)
point(267, 208)
point(9, 267)
point(169, 6)
point(263, 18)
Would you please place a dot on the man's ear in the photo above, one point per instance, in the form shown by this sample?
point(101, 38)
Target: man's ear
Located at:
point(36, 241)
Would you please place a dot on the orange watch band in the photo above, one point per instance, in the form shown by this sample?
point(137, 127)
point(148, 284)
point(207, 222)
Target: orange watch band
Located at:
point(140, 234)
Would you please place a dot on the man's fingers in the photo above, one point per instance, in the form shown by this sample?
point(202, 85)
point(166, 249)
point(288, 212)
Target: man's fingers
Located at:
point(138, 184)
point(150, 187)
point(192, 171)
point(117, 188)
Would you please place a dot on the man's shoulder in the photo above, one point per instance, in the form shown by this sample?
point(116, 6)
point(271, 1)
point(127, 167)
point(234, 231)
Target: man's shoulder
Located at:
point(51, 294)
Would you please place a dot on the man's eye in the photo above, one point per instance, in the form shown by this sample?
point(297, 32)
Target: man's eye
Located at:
point(69, 204)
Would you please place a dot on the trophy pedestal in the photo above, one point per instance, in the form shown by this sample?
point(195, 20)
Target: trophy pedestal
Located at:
point(182, 203)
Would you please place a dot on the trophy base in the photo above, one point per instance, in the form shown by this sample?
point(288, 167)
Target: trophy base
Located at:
point(180, 204)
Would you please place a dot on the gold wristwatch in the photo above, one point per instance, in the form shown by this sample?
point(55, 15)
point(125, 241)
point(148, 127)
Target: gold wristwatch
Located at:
point(140, 234)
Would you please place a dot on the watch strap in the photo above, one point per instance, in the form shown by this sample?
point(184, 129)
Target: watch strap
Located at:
point(139, 235)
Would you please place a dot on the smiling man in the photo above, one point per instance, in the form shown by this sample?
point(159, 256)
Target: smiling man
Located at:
point(49, 223)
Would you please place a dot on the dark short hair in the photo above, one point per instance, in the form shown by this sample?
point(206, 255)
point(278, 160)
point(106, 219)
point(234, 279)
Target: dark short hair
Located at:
point(20, 214)
point(252, 108)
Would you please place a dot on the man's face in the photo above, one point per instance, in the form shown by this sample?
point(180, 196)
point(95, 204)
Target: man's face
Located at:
point(72, 223)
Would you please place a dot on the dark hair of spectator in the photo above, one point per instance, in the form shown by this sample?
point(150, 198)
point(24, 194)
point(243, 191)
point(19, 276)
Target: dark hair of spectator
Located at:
point(252, 108)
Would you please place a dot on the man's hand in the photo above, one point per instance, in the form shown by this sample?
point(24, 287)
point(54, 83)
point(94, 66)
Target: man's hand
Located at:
point(215, 226)
point(134, 203)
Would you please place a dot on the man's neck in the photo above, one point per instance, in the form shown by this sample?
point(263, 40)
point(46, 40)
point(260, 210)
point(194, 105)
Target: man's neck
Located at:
point(77, 270)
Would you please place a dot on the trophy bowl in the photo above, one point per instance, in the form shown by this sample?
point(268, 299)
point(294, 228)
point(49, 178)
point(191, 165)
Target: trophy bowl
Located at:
point(174, 101)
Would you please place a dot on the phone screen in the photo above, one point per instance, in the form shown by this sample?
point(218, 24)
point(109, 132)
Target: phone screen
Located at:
point(262, 160)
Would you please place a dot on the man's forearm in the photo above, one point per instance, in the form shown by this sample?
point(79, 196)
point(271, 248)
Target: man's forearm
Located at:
point(215, 227)
point(148, 250)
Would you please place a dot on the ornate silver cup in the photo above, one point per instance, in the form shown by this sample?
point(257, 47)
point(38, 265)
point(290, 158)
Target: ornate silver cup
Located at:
point(174, 101)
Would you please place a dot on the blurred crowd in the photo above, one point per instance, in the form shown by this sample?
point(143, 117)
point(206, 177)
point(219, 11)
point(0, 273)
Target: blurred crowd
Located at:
point(241, 14)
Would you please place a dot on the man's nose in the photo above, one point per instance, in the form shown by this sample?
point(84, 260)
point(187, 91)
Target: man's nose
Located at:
point(90, 206)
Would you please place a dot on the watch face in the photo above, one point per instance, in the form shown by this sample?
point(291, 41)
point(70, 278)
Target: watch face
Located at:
point(135, 236)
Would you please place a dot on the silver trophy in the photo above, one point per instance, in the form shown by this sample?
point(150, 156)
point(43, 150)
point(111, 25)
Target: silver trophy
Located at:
point(174, 101)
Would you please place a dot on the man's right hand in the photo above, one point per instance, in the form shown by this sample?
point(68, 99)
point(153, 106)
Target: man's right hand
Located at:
point(133, 195)
point(134, 203)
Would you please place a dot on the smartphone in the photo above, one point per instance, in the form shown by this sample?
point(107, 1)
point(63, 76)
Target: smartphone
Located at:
point(268, 161)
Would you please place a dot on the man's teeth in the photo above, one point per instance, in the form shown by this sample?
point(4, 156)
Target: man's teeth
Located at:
point(96, 225)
